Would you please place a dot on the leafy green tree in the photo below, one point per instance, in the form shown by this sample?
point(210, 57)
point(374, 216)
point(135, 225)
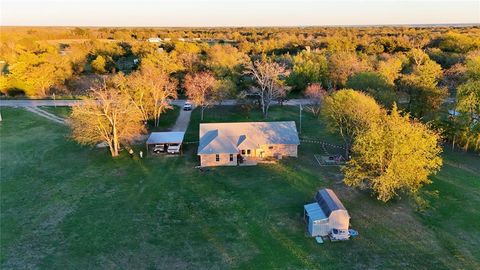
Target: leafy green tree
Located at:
point(308, 67)
point(468, 95)
point(350, 113)
point(390, 68)
point(394, 154)
point(422, 86)
point(375, 84)
point(36, 71)
point(473, 65)
point(225, 60)
point(460, 43)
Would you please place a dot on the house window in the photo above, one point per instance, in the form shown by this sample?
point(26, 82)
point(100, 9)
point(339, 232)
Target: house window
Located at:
point(243, 152)
point(217, 157)
point(231, 157)
point(248, 152)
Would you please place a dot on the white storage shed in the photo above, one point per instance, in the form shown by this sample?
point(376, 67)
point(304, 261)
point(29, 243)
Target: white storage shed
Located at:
point(327, 216)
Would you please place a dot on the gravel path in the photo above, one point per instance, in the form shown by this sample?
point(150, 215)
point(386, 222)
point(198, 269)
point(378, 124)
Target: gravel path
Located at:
point(46, 114)
point(183, 119)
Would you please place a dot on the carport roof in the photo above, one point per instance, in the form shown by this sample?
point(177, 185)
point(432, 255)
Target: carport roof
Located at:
point(165, 137)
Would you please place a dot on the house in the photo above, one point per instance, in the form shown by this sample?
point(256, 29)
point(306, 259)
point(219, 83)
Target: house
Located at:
point(231, 144)
point(327, 216)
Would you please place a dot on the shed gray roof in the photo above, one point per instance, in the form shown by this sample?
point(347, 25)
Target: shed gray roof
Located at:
point(217, 138)
point(165, 137)
point(328, 201)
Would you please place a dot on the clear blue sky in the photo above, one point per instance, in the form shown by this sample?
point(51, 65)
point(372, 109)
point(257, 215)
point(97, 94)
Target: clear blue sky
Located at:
point(236, 13)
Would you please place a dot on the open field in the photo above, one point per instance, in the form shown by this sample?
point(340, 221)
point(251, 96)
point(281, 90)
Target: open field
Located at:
point(64, 206)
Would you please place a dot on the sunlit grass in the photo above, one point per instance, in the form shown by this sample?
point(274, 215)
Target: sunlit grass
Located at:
point(67, 206)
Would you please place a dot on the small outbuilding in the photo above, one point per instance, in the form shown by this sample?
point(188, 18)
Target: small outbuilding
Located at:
point(170, 142)
point(327, 216)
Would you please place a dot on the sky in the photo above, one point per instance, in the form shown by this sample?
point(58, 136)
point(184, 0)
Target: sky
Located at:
point(236, 13)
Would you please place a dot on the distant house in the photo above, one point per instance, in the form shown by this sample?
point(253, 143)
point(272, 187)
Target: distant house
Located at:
point(230, 144)
point(155, 40)
point(327, 216)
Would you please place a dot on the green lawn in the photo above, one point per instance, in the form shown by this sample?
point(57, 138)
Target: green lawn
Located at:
point(64, 206)
point(167, 119)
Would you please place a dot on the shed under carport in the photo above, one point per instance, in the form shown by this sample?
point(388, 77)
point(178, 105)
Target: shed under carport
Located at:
point(165, 138)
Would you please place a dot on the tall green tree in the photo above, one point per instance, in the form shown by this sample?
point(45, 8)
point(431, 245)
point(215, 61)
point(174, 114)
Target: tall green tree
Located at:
point(421, 85)
point(308, 67)
point(395, 154)
point(350, 113)
point(375, 84)
point(36, 71)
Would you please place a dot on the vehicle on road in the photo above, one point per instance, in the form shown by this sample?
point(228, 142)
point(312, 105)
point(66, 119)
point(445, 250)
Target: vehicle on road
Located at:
point(187, 106)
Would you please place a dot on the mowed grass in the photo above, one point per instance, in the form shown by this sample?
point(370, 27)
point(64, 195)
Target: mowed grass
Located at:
point(167, 119)
point(64, 206)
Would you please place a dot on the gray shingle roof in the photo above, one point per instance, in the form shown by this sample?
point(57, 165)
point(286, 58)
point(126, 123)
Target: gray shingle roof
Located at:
point(328, 201)
point(217, 138)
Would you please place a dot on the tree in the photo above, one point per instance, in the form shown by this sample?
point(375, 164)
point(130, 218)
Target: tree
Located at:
point(473, 65)
point(395, 154)
point(150, 90)
point(342, 65)
point(316, 94)
point(99, 64)
point(422, 86)
point(390, 69)
point(166, 62)
point(224, 60)
point(200, 88)
point(349, 113)
point(468, 95)
point(267, 76)
point(188, 55)
point(375, 84)
point(308, 68)
point(109, 117)
point(35, 71)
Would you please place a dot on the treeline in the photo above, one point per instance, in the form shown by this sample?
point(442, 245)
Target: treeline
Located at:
point(432, 72)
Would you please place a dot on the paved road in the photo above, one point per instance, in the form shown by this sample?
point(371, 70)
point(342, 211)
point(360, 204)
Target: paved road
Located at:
point(179, 102)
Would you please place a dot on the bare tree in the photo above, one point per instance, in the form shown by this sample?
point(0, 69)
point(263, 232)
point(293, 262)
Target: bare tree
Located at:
point(267, 75)
point(108, 117)
point(150, 91)
point(316, 94)
point(200, 89)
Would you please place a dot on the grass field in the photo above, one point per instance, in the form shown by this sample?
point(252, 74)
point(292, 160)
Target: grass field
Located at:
point(64, 206)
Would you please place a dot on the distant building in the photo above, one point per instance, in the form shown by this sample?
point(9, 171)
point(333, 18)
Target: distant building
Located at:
point(155, 40)
point(231, 144)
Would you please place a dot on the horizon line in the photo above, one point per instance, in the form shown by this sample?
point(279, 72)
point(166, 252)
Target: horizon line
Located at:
point(474, 24)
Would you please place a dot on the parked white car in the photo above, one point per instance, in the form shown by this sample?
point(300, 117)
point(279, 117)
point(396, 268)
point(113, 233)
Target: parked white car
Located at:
point(187, 106)
point(173, 149)
point(159, 148)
